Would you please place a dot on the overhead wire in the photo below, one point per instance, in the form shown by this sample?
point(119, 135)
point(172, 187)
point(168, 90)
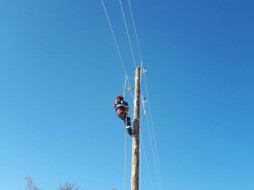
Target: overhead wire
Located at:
point(145, 155)
point(152, 136)
point(135, 31)
point(133, 57)
point(141, 59)
point(126, 79)
point(152, 139)
point(127, 32)
point(115, 41)
point(153, 151)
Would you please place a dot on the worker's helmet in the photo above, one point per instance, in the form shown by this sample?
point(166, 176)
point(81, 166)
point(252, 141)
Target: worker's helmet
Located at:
point(120, 97)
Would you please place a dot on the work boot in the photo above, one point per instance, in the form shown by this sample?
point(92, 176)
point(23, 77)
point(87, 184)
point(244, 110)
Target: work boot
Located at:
point(129, 130)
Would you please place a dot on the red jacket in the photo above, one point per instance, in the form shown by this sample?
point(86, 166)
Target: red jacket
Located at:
point(121, 106)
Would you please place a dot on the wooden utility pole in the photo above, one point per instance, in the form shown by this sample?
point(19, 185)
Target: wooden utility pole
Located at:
point(135, 139)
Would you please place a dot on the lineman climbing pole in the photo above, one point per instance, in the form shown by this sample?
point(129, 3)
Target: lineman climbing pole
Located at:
point(135, 139)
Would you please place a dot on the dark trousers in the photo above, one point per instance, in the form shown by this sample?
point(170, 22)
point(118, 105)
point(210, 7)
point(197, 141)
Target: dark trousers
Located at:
point(125, 118)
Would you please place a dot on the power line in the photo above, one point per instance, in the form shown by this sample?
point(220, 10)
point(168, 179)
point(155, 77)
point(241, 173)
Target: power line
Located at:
point(127, 32)
point(116, 44)
point(136, 35)
point(146, 160)
point(153, 151)
point(151, 134)
point(153, 138)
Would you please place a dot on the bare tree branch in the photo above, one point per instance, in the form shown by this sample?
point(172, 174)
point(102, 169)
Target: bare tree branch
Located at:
point(69, 186)
point(30, 185)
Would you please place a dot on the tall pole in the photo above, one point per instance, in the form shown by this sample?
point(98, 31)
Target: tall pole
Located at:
point(135, 139)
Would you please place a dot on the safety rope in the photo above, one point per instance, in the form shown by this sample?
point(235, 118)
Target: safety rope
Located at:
point(126, 77)
point(124, 178)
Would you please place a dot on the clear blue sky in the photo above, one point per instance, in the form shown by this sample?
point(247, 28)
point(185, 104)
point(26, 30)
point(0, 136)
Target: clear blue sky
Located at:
point(60, 72)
